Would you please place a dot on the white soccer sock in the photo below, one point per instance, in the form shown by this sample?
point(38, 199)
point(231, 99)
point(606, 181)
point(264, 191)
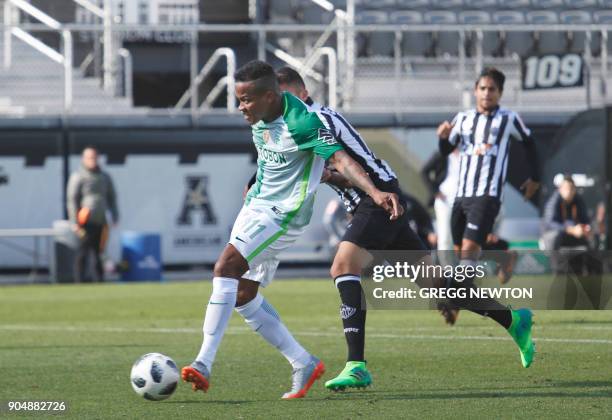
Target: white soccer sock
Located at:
point(218, 313)
point(263, 319)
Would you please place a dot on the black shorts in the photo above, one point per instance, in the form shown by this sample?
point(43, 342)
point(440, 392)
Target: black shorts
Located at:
point(370, 228)
point(473, 218)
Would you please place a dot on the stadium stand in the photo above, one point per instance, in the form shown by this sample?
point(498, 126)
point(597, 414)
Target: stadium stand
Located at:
point(35, 84)
point(441, 58)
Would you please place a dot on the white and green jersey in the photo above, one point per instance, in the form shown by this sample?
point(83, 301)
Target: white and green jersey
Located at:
point(291, 154)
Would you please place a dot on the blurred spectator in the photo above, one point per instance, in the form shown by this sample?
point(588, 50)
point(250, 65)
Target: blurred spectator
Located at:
point(420, 220)
point(90, 196)
point(441, 176)
point(566, 221)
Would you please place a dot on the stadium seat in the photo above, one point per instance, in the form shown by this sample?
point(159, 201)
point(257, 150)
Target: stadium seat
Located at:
point(313, 14)
point(546, 4)
point(605, 17)
point(514, 4)
point(580, 4)
point(490, 41)
point(481, 4)
point(514, 42)
point(413, 43)
point(473, 17)
point(447, 4)
point(378, 4)
point(412, 4)
point(577, 38)
point(445, 42)
point(378, 43)
point(548, 42)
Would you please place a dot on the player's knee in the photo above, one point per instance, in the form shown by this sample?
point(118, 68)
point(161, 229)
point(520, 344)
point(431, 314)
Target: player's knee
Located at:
point(339, 268)
point(244, 296)
point(225, 268)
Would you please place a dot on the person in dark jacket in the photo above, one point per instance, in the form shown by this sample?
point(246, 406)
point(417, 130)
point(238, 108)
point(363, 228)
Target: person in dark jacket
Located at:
point(566, 221)
point(90, 196)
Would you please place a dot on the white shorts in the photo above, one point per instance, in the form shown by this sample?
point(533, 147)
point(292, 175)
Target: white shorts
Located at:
point(259, 237)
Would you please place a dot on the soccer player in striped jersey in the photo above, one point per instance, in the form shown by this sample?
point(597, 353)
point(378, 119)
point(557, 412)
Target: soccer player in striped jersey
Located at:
point(483, 137)
point(293, 142)
point(369, 229)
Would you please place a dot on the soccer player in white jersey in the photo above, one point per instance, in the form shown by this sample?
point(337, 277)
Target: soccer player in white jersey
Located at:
point(483, 137)
point(293, 142)
point(370, 229)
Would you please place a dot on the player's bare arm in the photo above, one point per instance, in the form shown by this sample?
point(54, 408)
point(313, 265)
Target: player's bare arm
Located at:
point(358, 177)
point(529, 188)
point(333, 177)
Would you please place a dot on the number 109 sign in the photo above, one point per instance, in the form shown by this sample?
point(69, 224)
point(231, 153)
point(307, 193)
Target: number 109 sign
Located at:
point(552, 71)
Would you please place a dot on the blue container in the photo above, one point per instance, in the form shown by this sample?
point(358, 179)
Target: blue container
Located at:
point(141, 255)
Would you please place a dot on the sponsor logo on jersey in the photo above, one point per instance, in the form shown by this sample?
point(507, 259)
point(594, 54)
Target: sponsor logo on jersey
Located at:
point(484, 149)
point(327, 136)
point(271, 156)
point(347, 311)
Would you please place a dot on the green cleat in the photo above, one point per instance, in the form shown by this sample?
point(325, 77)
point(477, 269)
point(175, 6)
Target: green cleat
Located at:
point(354, 375)
point(520, 330)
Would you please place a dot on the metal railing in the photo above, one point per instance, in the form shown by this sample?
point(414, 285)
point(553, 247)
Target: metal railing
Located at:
point(65, 59)
point(128, 90)
point(397, 70)
point(226, 81)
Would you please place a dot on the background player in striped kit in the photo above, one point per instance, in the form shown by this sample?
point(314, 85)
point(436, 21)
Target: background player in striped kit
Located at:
point(483, 137)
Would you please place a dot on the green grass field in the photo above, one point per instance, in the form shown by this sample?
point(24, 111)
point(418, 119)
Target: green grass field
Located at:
point(77, 344)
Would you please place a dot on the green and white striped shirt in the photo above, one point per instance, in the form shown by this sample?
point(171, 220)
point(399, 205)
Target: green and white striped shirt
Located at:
point(291, 154)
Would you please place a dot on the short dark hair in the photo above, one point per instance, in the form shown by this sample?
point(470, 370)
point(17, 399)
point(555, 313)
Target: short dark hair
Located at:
point(259, 72)
point(568, 178)
point(288, 76)
point(498, 77)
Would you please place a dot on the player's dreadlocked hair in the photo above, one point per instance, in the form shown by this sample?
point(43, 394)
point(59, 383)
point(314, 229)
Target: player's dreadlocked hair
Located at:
point(259, 72)
point(498, 77)
point(288, 76)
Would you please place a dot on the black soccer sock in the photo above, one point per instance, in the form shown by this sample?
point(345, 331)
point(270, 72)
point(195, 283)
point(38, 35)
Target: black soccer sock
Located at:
point(484, 306)
point(353, 315)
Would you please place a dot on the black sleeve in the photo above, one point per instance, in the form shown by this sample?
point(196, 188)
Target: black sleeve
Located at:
point(423, 218)
point(445, 147)
point(532, 157)
point(428, 172)
point(252, 180)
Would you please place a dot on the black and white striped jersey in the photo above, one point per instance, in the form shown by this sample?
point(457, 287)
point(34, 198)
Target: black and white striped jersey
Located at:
point(379, 171)
point(484, 143)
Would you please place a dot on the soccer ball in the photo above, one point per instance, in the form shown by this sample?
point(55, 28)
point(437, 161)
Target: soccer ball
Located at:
point(154, 376)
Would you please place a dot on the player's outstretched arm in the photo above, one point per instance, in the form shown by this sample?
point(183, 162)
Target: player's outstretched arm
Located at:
point(358, 177)
point(444, 132)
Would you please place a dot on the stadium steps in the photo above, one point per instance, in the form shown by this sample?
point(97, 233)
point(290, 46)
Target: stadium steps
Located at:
point(35, 85)
point(406, 166)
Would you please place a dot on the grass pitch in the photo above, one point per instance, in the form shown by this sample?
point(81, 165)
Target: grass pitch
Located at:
point(77, 343)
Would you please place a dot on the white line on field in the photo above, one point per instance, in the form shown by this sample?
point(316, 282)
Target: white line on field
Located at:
point(244, 330)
